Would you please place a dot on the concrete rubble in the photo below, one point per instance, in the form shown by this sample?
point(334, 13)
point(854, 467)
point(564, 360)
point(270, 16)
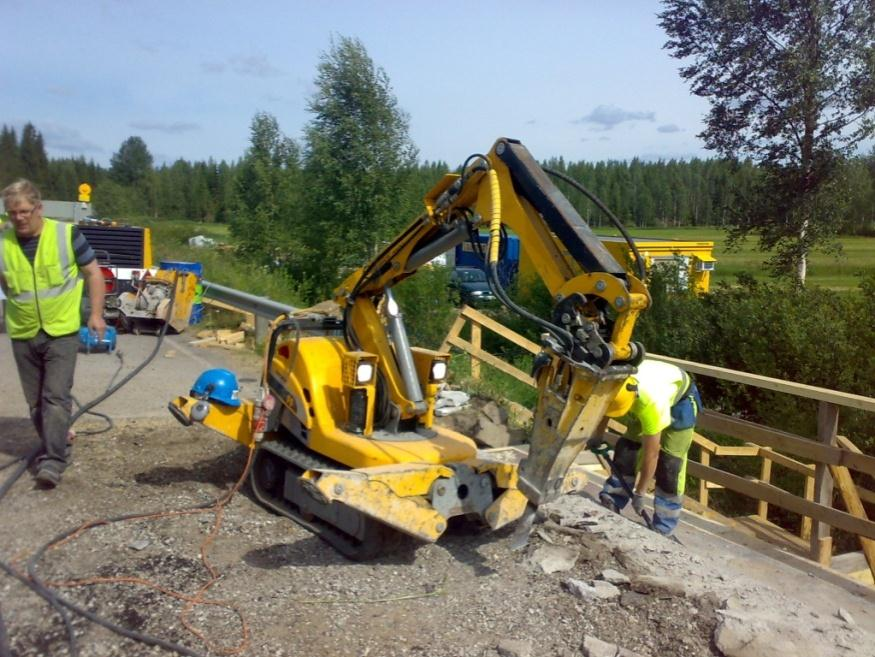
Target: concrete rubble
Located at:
point(554, 558)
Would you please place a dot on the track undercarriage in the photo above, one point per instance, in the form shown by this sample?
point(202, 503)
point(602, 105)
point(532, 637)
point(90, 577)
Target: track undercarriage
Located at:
point(276, 481)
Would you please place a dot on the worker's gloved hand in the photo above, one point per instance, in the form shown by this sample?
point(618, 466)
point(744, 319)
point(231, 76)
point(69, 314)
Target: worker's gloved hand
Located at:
point(638, 503)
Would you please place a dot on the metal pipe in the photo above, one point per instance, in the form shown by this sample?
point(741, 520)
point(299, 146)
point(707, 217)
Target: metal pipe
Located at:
point(456, 235)
point(260, 306)
point(403, 355)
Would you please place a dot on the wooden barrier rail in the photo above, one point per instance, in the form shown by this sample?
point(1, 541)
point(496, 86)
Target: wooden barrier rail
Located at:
point(826, 461)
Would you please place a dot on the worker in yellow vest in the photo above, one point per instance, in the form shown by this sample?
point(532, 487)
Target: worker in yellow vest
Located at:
point(42, 267)
point(659, 406)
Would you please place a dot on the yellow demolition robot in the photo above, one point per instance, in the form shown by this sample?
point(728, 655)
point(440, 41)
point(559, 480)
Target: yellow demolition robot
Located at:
point(344, 430)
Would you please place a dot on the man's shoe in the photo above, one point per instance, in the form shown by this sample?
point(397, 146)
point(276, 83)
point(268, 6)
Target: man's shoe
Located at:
point(48, 477)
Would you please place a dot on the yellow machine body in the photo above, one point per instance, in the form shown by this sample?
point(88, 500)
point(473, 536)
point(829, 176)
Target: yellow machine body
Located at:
point(693, 260)
point(349, 446)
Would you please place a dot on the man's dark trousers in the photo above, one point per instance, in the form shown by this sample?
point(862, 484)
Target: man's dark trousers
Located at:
point(45, 367)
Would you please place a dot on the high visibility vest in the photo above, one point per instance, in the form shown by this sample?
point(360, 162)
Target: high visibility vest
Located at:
point(45, 295)
point(660, 385)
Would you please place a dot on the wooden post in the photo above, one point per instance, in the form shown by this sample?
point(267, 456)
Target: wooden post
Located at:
point(845, 484)
point(766, 478)
point(455, 331)
point(476, 339)
point(827, 428)
point(805, 530)
point(704, 459)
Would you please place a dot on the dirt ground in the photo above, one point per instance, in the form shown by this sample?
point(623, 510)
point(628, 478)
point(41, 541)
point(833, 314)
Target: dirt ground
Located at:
point(467, 595)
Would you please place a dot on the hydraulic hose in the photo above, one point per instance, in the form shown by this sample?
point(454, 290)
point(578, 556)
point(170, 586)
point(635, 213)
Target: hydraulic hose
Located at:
point(492, 269)
point(639, 261)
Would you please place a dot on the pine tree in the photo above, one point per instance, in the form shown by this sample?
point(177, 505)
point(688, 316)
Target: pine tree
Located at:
point(34, 161)
point(10, 156)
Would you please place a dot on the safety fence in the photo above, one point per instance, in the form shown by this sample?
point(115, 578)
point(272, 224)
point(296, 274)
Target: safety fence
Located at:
point(824, 460)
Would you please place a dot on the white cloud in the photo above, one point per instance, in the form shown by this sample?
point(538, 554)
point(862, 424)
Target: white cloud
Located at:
point(67, 140)
point(608, 116)
point(669, 127)
point(252, 66)
point(174, 128)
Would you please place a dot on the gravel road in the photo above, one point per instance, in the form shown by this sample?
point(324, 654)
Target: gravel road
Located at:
point(467, 595)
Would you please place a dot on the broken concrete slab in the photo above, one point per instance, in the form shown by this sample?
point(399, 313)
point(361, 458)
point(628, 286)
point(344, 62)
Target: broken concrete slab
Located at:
point(554, 558)
point(662, 586)
point(598, 590)
point(746, 636)
point(614, 576)
point(494, 413)
point(595, 647)
point(514, 648)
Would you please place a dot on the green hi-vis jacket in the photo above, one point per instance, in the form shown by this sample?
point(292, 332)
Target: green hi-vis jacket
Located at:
point(47, 294)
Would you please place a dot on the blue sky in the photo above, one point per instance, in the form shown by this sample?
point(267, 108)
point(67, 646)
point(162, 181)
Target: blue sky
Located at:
point(585, 80)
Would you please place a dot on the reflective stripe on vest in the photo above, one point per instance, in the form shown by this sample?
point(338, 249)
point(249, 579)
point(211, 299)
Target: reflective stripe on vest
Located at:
point(46, 294)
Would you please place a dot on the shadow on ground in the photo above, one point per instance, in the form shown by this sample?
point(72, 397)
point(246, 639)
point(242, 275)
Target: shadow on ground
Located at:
point(17, 436)
point(221, 470)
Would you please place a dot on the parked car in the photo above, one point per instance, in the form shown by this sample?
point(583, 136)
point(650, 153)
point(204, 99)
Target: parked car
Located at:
point(472, 285)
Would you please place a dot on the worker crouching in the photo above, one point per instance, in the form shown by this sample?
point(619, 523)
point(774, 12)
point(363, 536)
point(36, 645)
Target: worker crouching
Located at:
point(659, 407)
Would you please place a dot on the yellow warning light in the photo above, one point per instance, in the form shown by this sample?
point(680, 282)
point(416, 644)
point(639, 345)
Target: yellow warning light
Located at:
point(84, 193)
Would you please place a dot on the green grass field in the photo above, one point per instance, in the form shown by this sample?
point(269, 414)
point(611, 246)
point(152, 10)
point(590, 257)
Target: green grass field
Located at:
point(842, 272)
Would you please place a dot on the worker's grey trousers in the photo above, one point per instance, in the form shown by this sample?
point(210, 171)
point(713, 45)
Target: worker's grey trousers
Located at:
point(45, 367)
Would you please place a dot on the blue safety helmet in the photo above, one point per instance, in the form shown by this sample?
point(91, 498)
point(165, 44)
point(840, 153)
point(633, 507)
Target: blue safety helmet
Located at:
point(217, 385)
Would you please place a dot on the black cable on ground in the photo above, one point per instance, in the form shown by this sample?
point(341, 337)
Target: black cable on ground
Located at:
point(38, 585)
point(62, 612)
point(24, 462)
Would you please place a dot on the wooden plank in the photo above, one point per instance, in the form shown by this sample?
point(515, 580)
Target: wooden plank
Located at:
point(489, 323)
point(705, 443)
point(865, 495)
point(776, 496)
point(477, 343)
point(772, 533)
point(786, 442)
point(765, 476)
point(778, 385)
point(785, 461)
point(489, 359)
point(704, 459)
point(827, 429)
point(845, 484)
point(805, 528)
point(455, 330)
point(737, 450)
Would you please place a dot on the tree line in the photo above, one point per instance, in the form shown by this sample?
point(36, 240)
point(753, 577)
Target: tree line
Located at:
point(660, 194)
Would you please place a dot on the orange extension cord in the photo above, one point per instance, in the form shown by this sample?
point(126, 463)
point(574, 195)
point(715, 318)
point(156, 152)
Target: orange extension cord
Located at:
point(191, 600)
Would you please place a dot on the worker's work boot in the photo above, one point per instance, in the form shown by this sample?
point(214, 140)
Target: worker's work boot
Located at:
point(608, 502)
point(47, 477)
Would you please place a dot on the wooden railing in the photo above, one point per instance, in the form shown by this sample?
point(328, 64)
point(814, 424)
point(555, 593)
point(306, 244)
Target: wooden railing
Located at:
point(825, 462)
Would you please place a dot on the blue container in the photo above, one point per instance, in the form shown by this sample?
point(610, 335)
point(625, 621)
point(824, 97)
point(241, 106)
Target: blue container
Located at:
point(89, 343)
point(197, 313)
point(195, 268)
